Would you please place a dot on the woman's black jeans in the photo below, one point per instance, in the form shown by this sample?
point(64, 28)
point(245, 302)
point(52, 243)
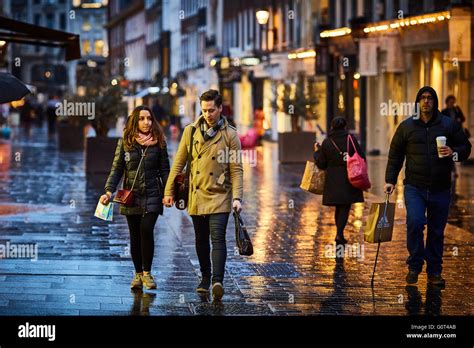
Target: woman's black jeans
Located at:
point(213, 225)
point(142, 242)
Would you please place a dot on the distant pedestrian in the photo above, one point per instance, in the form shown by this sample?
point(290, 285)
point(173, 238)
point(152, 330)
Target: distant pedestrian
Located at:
point(427, 180)
point(258, 119)
point(161, 115)
point(27, 113)
point(216, 186)
point(338, 191)
point(228, 113)
point(454, 111)
point(51, 113)
point(143, 139)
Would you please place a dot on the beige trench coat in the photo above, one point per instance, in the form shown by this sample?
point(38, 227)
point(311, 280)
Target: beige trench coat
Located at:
point(216, 175)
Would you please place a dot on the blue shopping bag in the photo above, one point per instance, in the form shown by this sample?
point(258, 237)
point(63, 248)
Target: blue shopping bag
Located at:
point(104, 212)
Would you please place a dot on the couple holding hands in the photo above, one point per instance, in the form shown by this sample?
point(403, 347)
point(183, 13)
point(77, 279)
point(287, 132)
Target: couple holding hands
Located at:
point(215, 187)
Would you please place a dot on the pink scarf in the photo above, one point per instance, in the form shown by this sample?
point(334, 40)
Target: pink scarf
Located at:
point(145, 140)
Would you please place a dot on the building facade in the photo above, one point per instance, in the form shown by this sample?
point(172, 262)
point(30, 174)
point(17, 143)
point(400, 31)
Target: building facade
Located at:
point(88, 19)
point(382, 52)
point(43, 67)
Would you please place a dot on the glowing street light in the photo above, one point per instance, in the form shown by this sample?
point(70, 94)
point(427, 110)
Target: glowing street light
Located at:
point(262, 16)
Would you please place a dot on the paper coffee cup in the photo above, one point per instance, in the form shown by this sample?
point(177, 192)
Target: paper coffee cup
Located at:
point(440, 141)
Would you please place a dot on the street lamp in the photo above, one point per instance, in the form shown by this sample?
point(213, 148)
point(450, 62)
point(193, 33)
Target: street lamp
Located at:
point(262, 16)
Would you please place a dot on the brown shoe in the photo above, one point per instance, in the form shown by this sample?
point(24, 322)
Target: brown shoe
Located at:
point(137, 282)
point(217, 291)
point(148, 281)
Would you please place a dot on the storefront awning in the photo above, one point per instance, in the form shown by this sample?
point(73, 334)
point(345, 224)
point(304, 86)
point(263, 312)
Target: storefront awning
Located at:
point(25, 33)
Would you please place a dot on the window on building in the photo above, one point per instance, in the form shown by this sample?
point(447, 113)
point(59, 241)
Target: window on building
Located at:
point(99, 47)
point(99, 21)
point(249, 27)
point(291, 25)
point(184, 53)
point(396, 8)
point(50, 20)
point(380, 8)
point(368, 10)
point(441, 5)
point(343, 14)
point(62, 21)
point(415, 7)
point(86, 46)
point(237, 31)
point(298, 25)
point(37, 19)
point(201, 47)
point(86, 25)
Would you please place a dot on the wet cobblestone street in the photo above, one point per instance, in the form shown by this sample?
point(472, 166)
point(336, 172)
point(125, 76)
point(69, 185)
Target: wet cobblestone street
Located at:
point(84, 267)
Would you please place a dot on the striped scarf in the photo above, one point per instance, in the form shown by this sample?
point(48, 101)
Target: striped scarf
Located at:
point(211, 132)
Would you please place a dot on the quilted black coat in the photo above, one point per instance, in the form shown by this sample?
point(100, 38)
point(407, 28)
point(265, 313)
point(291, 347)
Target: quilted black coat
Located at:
point(153, 174)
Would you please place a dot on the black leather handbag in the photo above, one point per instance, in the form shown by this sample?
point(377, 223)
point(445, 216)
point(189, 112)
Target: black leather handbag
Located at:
point(241, 236)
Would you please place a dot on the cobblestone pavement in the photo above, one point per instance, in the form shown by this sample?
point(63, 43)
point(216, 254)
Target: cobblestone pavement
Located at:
point(84, 268)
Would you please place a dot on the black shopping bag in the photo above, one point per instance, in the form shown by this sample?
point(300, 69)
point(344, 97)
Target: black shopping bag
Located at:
point(241, 236)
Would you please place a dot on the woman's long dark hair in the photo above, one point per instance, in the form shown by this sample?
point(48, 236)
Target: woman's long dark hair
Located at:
point(131, 128)
point(338, 123)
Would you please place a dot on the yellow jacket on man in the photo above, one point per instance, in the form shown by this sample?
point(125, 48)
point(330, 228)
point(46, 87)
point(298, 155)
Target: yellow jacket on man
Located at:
point(216, 175)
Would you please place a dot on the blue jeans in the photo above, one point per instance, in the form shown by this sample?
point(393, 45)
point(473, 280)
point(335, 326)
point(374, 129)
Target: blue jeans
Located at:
point(425, 207)
point(213, 225)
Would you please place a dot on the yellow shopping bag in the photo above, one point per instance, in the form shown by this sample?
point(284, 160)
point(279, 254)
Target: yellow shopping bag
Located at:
point(379, 227)
point(313, 179)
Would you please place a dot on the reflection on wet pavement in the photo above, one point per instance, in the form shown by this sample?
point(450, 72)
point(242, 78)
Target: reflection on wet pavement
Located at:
point(84, 265)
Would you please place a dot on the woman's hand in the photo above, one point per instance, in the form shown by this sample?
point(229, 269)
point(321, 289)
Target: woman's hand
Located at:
point(105, 199)
point(168, 201)
point(388, 188)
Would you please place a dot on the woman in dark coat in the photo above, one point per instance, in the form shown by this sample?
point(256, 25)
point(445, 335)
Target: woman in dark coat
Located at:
point(143, 137)
point(338, 191)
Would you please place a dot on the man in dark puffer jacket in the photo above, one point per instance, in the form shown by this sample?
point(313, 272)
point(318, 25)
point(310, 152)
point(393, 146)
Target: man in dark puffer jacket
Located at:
point(427, 180)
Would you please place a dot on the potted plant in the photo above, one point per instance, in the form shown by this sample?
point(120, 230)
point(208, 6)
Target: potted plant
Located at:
point(70, 125)
point(297, 146)
point(101, 148)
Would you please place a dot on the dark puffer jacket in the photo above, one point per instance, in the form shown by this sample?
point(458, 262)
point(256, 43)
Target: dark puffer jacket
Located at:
point(416, 141)
point(153, 174)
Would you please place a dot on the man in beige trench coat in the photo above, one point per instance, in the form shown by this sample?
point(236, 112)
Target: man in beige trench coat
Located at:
point(215, 186)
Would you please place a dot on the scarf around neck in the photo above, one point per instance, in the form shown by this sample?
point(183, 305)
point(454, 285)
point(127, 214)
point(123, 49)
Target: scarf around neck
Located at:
point(145, 140)
point(211, 132)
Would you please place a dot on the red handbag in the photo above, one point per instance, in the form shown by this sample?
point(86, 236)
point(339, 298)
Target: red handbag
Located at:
point(125, 196)
point(357, 169)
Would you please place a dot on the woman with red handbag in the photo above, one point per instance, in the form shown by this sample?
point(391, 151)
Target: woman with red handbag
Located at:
point(338, 190)
point(141, 158)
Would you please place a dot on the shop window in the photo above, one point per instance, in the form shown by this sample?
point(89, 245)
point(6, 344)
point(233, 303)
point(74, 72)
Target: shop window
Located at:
point(98, 47)
point(86, 46)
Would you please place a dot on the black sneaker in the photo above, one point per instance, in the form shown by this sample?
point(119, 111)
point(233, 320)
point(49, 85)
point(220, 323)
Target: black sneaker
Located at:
point(217, 291)
point(204, 285)
point(412, 277)
point(436, 280)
